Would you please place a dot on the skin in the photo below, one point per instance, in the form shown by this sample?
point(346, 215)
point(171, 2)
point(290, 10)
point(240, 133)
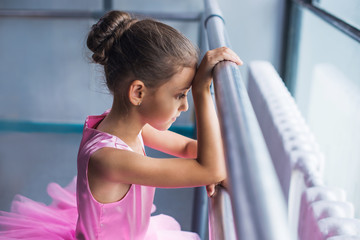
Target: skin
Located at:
point(112, 171)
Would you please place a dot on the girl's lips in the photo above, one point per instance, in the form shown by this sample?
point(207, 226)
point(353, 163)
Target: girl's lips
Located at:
point(174, 118)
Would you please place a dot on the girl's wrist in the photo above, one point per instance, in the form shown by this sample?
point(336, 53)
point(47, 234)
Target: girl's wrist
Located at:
point(202, 88)
point(201, 92)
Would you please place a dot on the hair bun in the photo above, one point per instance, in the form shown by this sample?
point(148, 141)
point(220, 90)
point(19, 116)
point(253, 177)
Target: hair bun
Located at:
point(105, 32)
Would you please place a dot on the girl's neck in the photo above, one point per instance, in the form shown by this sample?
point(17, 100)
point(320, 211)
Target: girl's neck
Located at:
point(126, 127)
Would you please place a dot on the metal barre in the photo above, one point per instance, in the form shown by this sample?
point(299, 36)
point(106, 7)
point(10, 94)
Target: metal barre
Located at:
point(95, 14)
point(258, 205)
point(220, 217)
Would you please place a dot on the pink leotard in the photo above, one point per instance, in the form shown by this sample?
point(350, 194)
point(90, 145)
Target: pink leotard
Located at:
point(130, 216)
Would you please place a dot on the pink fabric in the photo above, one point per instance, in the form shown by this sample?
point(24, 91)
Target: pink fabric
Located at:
point(34, 220)
point(79, 216)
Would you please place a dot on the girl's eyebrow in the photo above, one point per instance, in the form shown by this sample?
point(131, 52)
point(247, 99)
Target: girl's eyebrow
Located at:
point(185, 88)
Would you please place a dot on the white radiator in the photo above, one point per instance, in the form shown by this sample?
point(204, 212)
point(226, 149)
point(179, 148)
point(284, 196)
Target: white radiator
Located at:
point(316, 211)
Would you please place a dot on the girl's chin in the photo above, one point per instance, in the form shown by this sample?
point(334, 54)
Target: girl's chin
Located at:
point(167, 127)
point(163, 127)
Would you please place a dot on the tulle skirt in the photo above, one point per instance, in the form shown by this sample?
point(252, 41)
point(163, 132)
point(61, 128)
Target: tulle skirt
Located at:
point(32, 220)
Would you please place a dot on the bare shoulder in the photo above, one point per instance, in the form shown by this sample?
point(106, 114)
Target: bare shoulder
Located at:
point(106, 155)
point(111, 164)
point(102, 154)
point(107, 160)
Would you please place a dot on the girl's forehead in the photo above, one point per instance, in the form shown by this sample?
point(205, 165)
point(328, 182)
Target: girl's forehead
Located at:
point(182, 80)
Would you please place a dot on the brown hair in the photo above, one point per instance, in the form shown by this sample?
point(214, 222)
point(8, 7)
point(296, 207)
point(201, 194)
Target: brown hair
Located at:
point(132, 49)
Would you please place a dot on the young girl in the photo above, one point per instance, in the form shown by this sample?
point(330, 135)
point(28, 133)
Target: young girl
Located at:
point(149, 68)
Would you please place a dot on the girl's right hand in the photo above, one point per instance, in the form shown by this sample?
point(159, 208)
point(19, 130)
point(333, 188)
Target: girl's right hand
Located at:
point(203, 76)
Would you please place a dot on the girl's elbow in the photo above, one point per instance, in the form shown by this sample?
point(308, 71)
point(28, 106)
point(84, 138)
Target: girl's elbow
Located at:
point(219, 175)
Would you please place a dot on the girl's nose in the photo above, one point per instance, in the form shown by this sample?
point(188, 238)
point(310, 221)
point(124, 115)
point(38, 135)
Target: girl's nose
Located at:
point(184, 105)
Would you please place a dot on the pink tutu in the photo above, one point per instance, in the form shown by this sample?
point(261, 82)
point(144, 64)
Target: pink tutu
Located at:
point(32, 220)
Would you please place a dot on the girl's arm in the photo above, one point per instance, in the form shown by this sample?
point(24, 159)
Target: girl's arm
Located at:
point(209, 135)
point(169, 142)
point(207, 168)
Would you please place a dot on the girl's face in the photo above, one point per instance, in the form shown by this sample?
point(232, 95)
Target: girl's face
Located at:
point(163, 105)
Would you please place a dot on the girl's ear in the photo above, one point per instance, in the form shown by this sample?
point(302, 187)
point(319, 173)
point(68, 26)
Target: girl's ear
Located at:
point(136, 92)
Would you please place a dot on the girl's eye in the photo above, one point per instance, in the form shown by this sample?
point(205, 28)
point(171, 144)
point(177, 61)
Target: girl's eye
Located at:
point(180, 96)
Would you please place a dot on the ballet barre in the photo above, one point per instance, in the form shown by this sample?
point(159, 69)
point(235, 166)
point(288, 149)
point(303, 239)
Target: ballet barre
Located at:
point(258, 205)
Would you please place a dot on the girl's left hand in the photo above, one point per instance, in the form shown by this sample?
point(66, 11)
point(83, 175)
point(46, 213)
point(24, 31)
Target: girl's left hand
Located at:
point(210, 189)
point(203, 76)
